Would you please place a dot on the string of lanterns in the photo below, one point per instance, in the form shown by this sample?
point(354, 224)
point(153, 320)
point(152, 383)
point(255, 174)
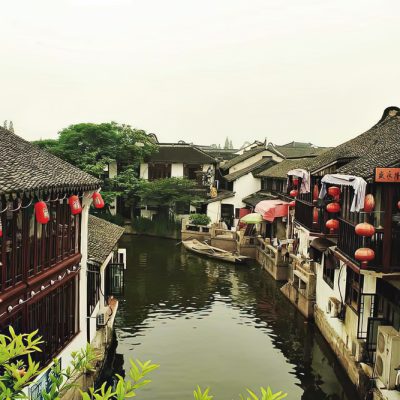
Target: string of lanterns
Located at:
point(366, 230)
point(42, 212)
point(295, 191)
point(333, 208)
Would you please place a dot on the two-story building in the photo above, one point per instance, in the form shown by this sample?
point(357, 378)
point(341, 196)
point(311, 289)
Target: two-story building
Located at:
point(239, 180)
point(44, 276)
point(347, 274)
point(179, 160)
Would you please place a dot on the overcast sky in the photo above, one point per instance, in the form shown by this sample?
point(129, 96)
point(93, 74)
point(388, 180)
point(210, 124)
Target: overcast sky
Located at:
point(320, 71)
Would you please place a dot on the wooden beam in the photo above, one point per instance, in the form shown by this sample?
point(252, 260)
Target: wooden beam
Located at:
point(388, 191)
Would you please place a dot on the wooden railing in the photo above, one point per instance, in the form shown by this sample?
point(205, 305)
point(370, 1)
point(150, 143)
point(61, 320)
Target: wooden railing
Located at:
point(349, 242)
point(304, 216)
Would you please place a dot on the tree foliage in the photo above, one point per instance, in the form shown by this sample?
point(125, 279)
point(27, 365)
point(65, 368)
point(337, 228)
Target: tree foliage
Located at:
point(91, 146)
point(167, 191)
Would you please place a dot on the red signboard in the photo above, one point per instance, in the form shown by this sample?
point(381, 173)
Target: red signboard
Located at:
point(387, 175)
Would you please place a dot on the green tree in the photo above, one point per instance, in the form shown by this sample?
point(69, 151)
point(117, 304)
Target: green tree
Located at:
point(91, 147)
point(165, 193)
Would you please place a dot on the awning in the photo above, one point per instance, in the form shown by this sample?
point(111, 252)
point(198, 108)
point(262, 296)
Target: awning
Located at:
point(271, 209)
point(321, 244)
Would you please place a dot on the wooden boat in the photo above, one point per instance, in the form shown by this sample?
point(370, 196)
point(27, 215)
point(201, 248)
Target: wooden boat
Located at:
point(205, 249)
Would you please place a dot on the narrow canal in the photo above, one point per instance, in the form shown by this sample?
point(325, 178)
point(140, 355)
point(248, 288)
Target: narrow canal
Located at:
point(213, 324)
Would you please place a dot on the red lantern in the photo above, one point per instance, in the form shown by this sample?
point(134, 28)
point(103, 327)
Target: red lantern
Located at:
point(365, 229)
point(332, 225)
point(315, 215)
point(398, 205)
point(295, 181)
point(75, 205)
point(334, 191)
point(98, 201)
point(293, 193)
point(369, 203)
point(364, 255)
point(315, 192)
point(333, 208)
point(292, 203)
point(42, 212)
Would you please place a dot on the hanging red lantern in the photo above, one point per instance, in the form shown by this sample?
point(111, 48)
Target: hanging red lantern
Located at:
point(369, 203)
point(334, 191)
point(332, 225)
point(293, 193)
point(315, 192)
point(365, 229)
point(98, 201)
point(364, 255)
point(292, 203)
point(75, 205)
point(315, 215)
point(333, 208)
point(398, 205)
point(42, 212)
point(295, 181)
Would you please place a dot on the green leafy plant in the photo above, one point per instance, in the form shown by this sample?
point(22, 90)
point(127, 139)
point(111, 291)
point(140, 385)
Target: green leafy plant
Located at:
point(17, 371)
point(199, 219)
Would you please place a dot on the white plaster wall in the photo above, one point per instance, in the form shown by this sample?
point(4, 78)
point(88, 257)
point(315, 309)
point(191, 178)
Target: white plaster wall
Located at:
point(243, 187)
point(147, 213)
point(112, 169)
point(324, 291)
point(144, 171)
point(253, 159)
point(177, 170)
point(214, 211)
point(100, 303)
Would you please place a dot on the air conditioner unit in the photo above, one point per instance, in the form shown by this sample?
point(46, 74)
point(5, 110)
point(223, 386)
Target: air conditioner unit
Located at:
point(101, 319)
point(387, 355)
point(334, 307)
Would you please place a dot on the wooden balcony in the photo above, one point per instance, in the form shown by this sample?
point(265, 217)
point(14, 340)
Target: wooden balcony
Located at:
point(304, 216)
point(349, 242)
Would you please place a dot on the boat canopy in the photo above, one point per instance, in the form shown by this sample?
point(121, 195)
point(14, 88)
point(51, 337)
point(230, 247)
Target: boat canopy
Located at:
point(271, 209)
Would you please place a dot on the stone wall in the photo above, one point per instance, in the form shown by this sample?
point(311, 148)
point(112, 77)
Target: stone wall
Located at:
point(343, 354)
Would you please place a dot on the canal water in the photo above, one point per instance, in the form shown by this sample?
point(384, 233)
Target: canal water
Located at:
point(213, 324)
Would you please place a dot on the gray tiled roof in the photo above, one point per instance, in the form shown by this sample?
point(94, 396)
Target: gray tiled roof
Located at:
point(25, 167)
point(281, 169)
point(102, 238)
point(299, 150)
point(254, 168)
point(180, 153)
point(377, 147)
point(255, 198)
point(242, 157)
point(223, 194)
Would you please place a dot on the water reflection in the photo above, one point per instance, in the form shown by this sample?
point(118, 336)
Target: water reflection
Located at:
point(218, 325)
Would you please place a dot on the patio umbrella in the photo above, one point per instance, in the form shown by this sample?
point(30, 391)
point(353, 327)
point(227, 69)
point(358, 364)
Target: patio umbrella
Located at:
point(253, 218)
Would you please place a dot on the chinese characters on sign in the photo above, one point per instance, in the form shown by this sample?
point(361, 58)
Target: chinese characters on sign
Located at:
point(387, 175)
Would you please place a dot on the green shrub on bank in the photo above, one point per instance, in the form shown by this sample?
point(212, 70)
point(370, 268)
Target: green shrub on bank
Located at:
point(17, 371)
point(199, 219)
